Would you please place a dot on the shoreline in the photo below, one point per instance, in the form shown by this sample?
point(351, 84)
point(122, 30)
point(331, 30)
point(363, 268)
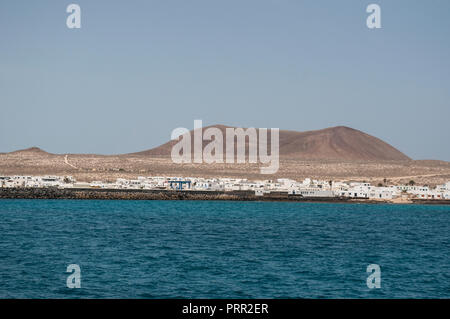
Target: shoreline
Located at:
point(140, 194)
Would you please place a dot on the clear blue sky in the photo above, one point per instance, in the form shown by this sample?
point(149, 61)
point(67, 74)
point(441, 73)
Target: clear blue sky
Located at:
point(138, 69)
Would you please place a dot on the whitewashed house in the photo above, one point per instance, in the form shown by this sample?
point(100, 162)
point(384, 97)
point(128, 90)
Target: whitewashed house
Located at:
point(382, 193)
point(4, 181)
point(358, 190)
point(311, 192)
point(51, 181)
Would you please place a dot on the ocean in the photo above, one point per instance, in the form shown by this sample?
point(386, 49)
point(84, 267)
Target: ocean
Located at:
point(215, 249)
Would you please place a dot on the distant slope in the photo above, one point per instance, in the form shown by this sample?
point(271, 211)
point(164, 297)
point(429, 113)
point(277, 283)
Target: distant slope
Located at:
point(335, 143)
point(341, 143)
point(31, 150)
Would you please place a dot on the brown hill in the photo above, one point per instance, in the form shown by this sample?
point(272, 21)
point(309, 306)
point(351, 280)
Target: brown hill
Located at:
point(335, 143)
point(31, 150)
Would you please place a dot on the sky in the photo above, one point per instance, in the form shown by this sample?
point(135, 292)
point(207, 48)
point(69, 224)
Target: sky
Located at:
point(136, 70)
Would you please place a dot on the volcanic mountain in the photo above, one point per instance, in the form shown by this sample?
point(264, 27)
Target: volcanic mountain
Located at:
point(31, 150)
point(334, 143)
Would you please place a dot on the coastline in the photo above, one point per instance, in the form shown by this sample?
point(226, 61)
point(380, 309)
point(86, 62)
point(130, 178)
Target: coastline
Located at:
point(136, 194)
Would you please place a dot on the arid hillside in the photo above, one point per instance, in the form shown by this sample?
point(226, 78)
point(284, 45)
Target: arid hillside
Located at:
point(337, 153)
point(335, 143)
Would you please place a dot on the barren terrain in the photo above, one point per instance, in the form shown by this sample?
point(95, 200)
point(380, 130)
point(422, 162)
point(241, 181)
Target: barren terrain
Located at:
point(109, 168)
point(337, 153)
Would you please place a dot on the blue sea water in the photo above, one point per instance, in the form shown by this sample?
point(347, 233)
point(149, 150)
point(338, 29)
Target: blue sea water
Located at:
point(213, 249)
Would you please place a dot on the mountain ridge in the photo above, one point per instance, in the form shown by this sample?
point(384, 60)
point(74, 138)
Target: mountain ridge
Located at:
point(33, 149)
point(333, 143)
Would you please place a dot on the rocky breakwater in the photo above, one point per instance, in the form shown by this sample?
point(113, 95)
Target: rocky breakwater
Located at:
point(132, 194)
